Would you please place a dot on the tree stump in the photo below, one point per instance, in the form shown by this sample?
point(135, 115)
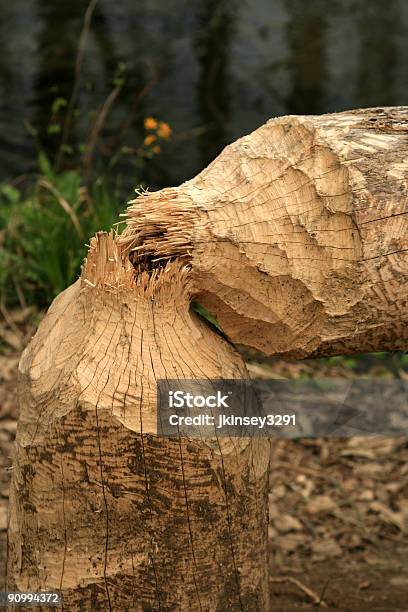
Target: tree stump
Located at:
point(103, 509)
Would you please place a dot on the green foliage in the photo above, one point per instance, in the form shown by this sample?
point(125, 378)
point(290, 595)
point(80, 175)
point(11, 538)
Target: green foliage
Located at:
point(58, 104)
point(53, 128)
point(44, 227)
point(384, 363)
point(43, 233)
point(205, 314)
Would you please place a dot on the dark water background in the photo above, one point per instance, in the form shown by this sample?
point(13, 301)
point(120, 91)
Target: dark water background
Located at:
point(220, 69)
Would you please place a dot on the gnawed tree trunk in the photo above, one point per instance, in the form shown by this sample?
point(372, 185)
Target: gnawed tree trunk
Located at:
point(297, 234)
point(296, 238)
point(102, 508)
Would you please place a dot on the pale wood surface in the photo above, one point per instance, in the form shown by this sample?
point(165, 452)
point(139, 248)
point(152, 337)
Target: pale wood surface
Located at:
point(102, 508)
point(297, 234)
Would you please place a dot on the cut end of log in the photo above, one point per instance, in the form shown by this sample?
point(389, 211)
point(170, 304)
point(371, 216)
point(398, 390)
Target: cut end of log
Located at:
point(160, 228)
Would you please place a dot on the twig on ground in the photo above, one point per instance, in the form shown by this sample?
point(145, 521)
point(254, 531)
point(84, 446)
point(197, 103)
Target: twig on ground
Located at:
point(6, 316)
point(20, 294)
point(306, 590)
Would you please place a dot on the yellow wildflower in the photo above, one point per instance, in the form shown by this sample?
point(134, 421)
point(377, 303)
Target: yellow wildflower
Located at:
point(156, 149)
point(149, 139)
point(150, 123)
point(164, 130)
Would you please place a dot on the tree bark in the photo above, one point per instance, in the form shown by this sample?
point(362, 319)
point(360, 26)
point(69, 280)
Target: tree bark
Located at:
point(297, 234)
point(103, 509)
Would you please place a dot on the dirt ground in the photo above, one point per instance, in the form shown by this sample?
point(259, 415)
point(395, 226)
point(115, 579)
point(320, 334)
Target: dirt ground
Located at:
point(338, 523)
point(338, 528)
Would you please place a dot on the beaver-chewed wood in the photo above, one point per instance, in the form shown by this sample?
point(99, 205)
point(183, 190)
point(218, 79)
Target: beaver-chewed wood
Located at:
point(296, 239)
point(102, 508)
point(297, 233)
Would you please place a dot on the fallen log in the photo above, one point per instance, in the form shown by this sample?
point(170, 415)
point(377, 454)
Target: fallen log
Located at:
point(295, 237)
point(297, 234)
